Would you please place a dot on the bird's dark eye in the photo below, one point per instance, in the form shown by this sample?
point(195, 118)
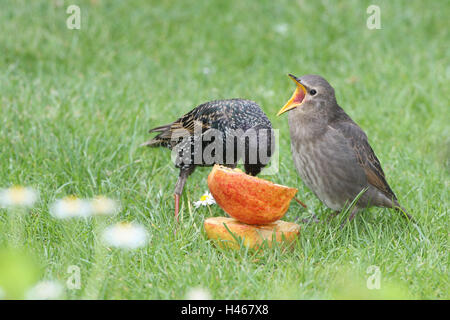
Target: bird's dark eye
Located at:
point(312, 92)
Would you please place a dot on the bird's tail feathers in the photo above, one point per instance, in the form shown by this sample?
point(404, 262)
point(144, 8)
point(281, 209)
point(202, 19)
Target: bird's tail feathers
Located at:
point(153, 143)
point(160, 139)
point(161, 128)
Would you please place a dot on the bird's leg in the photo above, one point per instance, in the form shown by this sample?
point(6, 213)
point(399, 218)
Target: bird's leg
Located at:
point(333, 215)
point(178, 191)
point(300, 203)
point(184, 174)
point(177, 205)
point(307, 220)
point(353, 214)
point(313, 219)
point(351, 217)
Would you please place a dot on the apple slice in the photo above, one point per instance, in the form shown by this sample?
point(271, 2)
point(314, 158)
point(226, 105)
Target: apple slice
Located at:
point(219, 228)
point(249, 199)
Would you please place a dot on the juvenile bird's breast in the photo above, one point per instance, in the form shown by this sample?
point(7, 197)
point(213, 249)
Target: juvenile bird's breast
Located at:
point(324, 162)
point(312, 167)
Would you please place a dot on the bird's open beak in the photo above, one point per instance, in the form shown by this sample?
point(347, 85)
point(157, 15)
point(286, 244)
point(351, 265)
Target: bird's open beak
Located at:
point(296, 99)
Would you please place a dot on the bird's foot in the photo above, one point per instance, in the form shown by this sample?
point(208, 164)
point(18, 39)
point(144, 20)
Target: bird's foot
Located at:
point(313, 219)
point(333, 215)
point(350, 218)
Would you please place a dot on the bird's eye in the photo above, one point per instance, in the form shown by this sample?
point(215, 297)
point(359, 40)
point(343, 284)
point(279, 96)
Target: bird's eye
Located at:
point(312, 92)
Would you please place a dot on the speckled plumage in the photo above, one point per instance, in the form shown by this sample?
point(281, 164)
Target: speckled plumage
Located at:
point(332, 153)
point(225, 116)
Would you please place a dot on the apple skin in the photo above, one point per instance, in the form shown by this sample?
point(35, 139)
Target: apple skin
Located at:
point(249, 199)
point(253, 236)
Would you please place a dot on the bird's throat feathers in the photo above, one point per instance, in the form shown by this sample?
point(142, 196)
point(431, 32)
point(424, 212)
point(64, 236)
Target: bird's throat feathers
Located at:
point(312, 118)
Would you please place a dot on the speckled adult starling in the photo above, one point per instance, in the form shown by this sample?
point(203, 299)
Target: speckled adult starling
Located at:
point(217, 132)
point(331, 152)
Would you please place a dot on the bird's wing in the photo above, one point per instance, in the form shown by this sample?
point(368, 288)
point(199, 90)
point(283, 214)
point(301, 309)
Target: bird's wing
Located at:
point(365, 155)
point(202, 118)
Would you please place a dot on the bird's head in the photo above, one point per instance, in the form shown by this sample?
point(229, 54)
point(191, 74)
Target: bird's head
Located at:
point(312, 93)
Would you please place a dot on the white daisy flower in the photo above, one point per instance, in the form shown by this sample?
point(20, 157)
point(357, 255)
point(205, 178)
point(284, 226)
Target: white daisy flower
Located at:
point(103, 206)
point(45, 290)
point(125, 235)
point(281, 28)
point(18, 196)
point(198, 294)
point(268, 93)
point(207, 70)
point(205, 200)
point(70, 207)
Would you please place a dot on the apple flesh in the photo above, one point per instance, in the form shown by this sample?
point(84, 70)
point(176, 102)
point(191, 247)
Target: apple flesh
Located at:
point(253, 236)
point(249, 199)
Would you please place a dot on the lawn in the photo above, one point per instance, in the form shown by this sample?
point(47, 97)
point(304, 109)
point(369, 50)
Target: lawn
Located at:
point(76, 104)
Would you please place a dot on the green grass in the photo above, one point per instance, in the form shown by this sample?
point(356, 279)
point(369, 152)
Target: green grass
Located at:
point(76, 104)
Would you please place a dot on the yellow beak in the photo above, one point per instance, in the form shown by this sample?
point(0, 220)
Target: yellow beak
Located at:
point(296, 99)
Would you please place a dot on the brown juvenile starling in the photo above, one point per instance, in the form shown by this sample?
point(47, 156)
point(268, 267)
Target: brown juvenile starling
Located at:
point(217, 132)
point(331, 152)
